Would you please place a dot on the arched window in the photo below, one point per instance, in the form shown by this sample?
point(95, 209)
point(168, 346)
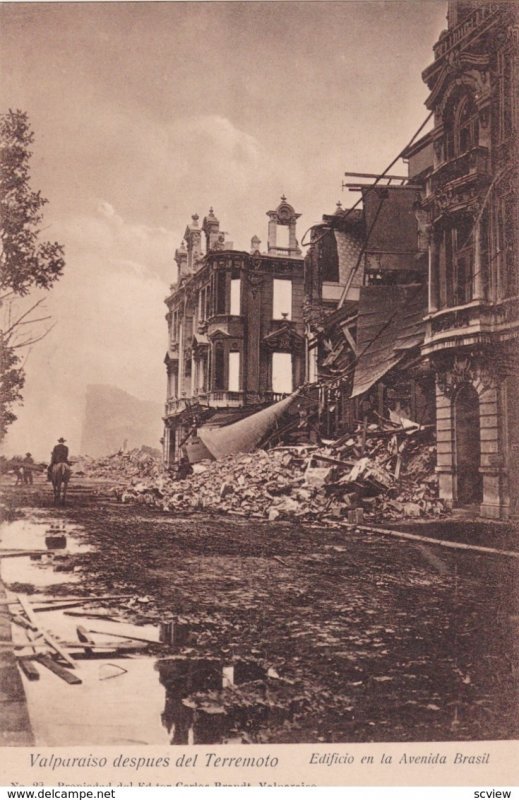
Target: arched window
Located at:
point(461, 125)
point(467, 446)
point(467, 125)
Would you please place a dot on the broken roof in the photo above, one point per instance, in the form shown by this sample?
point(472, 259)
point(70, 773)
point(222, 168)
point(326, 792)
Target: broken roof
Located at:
point(389, 325)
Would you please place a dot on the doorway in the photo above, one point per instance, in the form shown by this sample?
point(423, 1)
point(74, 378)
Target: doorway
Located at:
point(468, 446)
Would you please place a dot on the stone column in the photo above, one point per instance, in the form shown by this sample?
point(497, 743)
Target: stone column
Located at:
point(492, 456)
point(272, 235)
point(433, 275)
point(478, 283)
point(445, 447)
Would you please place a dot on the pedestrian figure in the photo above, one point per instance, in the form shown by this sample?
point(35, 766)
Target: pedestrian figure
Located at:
point(28, 462)
point(184, 468)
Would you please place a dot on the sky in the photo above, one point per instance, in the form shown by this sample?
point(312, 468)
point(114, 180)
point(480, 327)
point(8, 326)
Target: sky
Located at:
point(145, 113)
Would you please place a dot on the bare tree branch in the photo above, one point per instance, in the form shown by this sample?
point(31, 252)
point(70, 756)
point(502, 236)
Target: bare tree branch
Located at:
point(33, 321)
point(25, 314)
point(33, 341)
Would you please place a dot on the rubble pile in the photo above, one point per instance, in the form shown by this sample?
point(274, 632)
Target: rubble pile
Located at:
point(387, 471)
point(141, 462)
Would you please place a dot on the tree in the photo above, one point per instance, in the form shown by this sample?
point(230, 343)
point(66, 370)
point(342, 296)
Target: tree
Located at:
point(25, 262)
point(12, 379)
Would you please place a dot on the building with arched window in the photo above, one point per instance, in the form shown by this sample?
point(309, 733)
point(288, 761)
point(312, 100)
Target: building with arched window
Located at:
point(472, 324)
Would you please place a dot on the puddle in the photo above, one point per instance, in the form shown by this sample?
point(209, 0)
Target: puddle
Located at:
point(122, 709)
point(194, 710)
point(55, 538)
point(30, 534)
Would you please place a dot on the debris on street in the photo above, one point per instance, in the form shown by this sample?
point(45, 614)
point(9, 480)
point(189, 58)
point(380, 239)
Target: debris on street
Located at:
point(140, 462)
point(382, 470)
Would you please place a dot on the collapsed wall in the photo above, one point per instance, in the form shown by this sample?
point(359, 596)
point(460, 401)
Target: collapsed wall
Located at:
point(387, 471)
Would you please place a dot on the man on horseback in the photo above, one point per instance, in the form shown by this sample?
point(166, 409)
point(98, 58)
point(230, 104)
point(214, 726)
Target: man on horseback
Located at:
point(59, 455)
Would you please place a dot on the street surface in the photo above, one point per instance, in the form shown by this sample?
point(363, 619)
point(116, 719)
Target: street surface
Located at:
point(344, 636)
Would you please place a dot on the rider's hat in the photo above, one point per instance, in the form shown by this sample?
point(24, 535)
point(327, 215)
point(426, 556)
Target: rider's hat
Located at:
point(27, 454)
point(61, 439)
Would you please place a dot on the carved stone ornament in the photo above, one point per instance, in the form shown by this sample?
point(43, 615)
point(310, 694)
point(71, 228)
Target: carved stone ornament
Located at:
point(448, 198)
point(284, 340)
point(465, 369)
point(255, 282)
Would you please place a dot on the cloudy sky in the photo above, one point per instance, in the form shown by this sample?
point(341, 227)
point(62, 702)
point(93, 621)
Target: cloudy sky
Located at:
point(145, 113)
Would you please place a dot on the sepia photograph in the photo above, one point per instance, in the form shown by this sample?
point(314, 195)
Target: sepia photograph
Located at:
point(259, 385)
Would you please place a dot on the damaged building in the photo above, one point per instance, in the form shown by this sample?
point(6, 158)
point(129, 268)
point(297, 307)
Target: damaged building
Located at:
point(473, 310)
point(412, 301)
point(366, 296)
point(236, 331)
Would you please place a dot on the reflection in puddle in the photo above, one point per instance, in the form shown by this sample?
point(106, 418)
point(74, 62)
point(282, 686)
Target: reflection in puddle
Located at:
point(204, 719)
point(55, 539)
point(117, 699)
point(118, 702)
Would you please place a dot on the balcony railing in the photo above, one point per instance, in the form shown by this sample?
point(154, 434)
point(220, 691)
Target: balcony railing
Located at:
point(464, 28)
point(473, 323)
point(475, 163)
point(220, 398)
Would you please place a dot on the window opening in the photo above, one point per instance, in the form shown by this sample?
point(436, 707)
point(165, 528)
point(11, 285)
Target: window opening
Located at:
point(234, 372)
point(219, 367)
point(282, 379)
point(282, 299)
point(236, 297)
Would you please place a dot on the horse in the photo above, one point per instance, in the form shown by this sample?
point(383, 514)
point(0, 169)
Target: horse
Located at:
point(60, 476)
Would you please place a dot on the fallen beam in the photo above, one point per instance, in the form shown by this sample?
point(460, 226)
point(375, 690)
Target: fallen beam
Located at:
point(82, 635)
point(77, 645)
point(29, 669)
point(29, 612)
point(440, 542)
point(58, 670)
point(126, 636)
point(84, 599)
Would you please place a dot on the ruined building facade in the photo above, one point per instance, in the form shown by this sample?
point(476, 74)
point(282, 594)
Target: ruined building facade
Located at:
point(235, 326)
point(472, 324)
point(365, 281)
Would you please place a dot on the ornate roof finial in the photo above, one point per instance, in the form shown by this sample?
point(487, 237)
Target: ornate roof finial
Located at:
point(195, 218)
point(284, 197)
point(339, 207)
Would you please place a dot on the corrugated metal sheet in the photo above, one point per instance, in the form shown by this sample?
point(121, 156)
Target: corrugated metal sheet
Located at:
point(390, 323)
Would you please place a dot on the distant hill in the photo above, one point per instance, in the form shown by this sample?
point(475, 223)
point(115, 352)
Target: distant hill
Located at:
point(116, 420)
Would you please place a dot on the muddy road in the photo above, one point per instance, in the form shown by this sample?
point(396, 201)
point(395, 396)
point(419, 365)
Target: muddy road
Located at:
point(319, 634)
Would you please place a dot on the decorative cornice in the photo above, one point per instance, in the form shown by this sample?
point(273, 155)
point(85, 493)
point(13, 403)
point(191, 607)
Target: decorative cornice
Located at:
point(285, 339)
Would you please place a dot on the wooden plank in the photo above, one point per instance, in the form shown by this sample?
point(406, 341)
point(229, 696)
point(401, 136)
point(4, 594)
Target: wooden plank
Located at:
point(439, 542)
point(328, 460)
point(91, 615)
point(47, 636)
point(82, 635)
point(60, 606)
point(77, 645)
point(84, 599)
point(29, 669)
point(18, 620)
point(374, 175)
point(126, 636)
point(58, 670)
